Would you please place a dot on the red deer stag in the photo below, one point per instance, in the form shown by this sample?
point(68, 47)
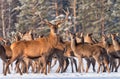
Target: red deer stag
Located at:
point(35, 48)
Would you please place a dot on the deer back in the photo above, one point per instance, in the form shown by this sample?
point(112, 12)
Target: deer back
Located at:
point(40, 46)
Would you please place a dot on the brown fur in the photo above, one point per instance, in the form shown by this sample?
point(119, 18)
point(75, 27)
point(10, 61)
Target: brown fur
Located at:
point(25, 62)
point(88, 50)
point(3, 56)
point(89, 39)
point(116, 44)
point(116, 54)
point(7, 53)
point(69, 53)
point(35, 48)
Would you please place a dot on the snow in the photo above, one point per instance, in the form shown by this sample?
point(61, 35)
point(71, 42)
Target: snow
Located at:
point(66, 75)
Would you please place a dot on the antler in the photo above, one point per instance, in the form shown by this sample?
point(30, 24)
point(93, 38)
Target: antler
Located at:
point(66, 13)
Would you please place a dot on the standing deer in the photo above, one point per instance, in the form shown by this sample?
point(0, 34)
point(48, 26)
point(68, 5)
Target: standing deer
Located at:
point(6, 53)
point(89, 39)
point(35, 48)
point(112, 53)
point(87, 50)
point(116, 43)
point(26, 61)
point(116, 46)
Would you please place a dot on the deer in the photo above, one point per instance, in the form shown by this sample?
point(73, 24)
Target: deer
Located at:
point(27, 36)
point(6, 53)
point(35, 48)
point(69, 54)
point(3, 55)
point(87, 50)
point(115, 42)
point(111, 52)
point(116, 46)
point(64, 44)
point(89, 39)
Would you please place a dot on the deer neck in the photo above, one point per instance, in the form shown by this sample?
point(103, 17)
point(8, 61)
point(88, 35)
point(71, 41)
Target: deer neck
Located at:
point(116, 44)
point(73, 44)
point(105, 44)
point(53, 39)
point(82, 40)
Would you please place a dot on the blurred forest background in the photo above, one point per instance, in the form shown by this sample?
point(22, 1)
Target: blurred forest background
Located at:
point(88, 16)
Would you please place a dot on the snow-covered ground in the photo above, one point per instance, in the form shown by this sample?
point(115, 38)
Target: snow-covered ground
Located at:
point(66, 75)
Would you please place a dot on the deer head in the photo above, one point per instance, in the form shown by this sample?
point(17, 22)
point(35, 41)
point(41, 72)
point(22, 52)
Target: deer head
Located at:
point(53, 27)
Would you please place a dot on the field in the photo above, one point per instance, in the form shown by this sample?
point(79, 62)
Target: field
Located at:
point(66, 75)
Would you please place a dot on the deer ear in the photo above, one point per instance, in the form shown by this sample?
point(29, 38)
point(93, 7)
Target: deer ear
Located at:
point(30, 32)
point(20, 34)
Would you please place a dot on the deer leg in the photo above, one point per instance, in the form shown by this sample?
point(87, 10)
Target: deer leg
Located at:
point(93, 64)
point(59, 67)
point(55, 61)
point(58, 70)
point(82, 66)
point(42, 70)
point(39, 65)
point(103, 68)
point(66, 64)
point(62, 64)
point(72, 64)
point(49, 66)
point(23, 68)
point(3, 66)
point(75, 63)
point(99, 63)
point(45, 69)
point(26, 62)
point(117, 66)
point(111, 64)
point(98, 70)
point(17, 65)
point(106, 62)
point(7, 65)
point(9, 70)
point(88, 64)
point(44, 65)
point(80, 63)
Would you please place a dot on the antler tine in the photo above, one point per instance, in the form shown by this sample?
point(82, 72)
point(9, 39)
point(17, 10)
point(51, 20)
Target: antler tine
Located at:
point(68, 10)
point(64, 11)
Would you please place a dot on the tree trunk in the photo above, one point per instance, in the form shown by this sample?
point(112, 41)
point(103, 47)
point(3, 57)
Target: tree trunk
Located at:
point(102, 16)
point(3, 18)
point(56, 7)
point(74, 11)
point(9, 24)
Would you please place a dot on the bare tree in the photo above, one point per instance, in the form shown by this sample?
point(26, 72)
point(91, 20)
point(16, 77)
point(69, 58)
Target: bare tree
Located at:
point(102, 17)
point(3, 17)
point(9, 16)
point(56, 7)
point(74, 13)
